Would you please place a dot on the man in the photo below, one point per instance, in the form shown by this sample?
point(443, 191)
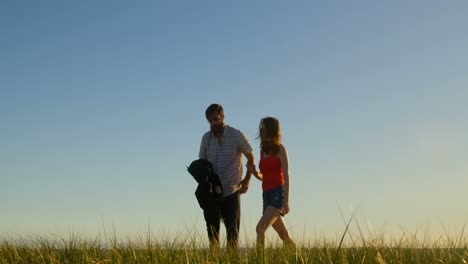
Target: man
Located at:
point(223, 146)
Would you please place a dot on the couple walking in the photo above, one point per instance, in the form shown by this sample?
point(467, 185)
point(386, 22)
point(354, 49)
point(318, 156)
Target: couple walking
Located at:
point(223, 146)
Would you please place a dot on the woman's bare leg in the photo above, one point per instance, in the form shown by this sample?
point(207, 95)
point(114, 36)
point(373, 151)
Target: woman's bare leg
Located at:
point(280, 228)
point(269, 217)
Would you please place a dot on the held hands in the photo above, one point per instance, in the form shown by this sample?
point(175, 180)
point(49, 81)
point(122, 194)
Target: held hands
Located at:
point(244, 184)
point(251, 168)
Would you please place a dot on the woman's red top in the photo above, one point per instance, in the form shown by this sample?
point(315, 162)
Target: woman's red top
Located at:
point(272, 172)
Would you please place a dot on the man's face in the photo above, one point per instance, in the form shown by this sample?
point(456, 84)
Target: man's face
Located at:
point(216, 122)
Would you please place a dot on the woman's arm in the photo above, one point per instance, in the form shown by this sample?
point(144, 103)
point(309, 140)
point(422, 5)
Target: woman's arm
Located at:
point(283, 156)
point(251, 168)
point(258, 175)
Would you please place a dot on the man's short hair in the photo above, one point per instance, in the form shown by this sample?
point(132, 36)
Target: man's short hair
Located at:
point(214, 108)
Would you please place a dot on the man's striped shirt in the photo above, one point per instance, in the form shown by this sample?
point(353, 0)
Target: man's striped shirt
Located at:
point(226, 156)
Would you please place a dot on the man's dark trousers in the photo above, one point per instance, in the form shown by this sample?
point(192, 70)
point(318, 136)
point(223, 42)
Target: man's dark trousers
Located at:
point(228, 209)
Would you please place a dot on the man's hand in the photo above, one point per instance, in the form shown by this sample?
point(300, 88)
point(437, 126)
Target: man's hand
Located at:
point(244, 185)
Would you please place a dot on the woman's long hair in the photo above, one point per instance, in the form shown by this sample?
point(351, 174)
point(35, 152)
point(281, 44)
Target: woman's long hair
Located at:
point(270, 135)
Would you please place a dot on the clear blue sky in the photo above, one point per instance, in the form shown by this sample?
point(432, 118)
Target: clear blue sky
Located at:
point(102, 108)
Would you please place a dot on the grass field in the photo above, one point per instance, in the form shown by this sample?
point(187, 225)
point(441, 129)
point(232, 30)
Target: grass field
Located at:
point(151, 249)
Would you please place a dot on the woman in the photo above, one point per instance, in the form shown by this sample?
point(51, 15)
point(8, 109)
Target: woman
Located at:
point(274, 174)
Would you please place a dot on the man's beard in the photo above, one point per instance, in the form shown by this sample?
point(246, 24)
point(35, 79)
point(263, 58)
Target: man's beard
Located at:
point(217, 129)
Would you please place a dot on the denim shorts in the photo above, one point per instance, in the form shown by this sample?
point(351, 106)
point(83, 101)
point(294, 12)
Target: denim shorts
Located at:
point(273, 197)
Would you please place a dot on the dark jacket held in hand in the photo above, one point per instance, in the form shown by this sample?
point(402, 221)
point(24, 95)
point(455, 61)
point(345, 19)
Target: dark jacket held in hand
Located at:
point(209, 186)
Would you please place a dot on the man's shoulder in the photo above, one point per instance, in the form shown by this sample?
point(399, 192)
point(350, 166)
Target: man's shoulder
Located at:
point(206, 135)
point(237, 135)
point(232, 130)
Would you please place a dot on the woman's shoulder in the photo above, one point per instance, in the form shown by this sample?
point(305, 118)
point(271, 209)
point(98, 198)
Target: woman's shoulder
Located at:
point(282, 150)
point(282, 147)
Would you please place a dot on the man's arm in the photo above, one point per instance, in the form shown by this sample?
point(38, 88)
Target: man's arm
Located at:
point(202, 153)
point(244, 184)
